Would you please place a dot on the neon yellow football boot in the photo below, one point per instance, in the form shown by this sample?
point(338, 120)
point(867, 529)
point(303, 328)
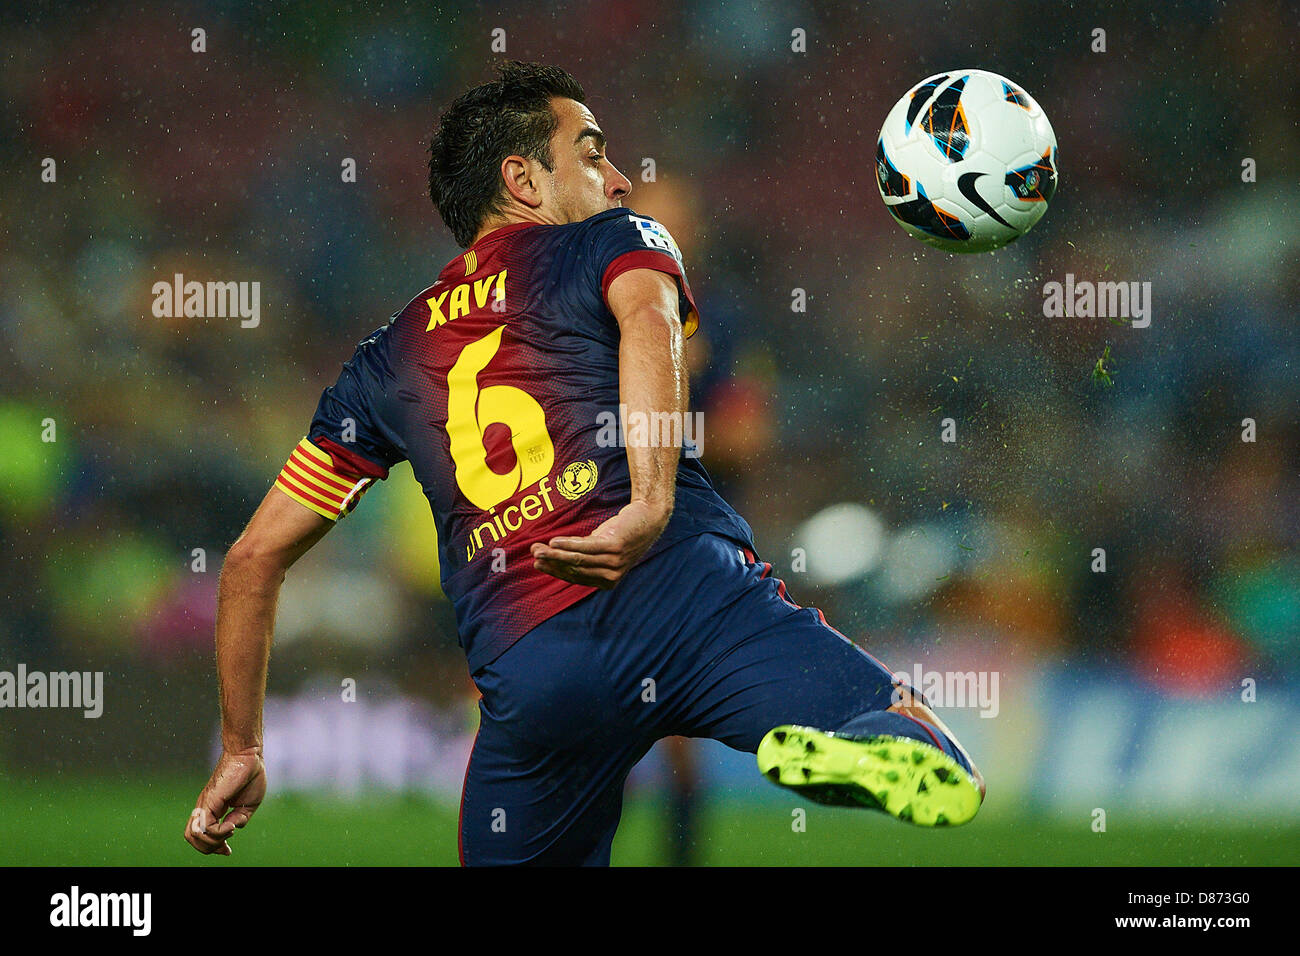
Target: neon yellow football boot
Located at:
point(905, 778)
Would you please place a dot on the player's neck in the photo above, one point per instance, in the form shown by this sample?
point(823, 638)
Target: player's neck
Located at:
point(515, 217)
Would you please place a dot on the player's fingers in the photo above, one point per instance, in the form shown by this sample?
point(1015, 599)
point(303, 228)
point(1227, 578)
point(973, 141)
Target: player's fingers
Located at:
point(592, 544)
point(221, 829)
point(196, 827)
point(579, 559)
point(236, 819)
point(591, 577)
point(560, 569)
point(587, 569)
point(198, 833)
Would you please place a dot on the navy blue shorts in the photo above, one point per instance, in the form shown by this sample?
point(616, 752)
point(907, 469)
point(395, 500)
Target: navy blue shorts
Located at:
point(699, 641)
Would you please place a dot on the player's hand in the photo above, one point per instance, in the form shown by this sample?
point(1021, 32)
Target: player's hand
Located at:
point(602, 558)
point(235, 790)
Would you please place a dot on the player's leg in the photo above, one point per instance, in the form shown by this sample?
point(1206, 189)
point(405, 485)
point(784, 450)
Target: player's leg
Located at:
point(544, 785)
point(882, 758)
point(824, 716)
point(525, 805)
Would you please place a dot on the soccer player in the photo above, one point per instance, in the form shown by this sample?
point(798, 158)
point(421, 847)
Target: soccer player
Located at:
point(606, 596)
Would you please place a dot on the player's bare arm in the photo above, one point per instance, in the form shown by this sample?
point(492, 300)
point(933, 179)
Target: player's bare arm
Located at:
point(280, 532)
point(652, 381)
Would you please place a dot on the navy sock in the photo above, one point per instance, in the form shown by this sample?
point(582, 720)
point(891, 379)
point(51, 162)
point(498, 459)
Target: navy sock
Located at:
point(900, 725)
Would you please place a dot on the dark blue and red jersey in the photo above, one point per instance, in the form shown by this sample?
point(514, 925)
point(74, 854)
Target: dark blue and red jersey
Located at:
point(499, 383)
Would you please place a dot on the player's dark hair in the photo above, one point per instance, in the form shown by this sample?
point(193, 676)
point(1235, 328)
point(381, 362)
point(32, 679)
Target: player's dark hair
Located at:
point(511, 115)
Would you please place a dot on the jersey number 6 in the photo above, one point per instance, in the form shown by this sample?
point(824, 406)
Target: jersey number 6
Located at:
point(471, 411)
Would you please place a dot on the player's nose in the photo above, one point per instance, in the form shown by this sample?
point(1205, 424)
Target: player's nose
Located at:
point(617, 186)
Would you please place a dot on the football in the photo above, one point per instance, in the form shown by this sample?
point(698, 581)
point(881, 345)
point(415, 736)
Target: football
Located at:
point(966, 161)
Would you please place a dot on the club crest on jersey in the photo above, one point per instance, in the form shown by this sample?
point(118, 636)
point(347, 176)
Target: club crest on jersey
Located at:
point(577, 479)
point(656, 236)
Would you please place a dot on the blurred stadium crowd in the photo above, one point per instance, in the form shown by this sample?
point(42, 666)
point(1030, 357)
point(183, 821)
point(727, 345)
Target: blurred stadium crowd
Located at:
point(226, 165)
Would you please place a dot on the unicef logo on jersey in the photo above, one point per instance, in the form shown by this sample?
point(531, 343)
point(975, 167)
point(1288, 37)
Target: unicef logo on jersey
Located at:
point(578, 479)
point(656, 236)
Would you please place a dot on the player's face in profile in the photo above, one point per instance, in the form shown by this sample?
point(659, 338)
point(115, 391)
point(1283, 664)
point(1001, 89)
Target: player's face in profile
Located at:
point(584, 182)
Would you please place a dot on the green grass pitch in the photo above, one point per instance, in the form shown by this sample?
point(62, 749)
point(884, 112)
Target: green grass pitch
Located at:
point(99, 822)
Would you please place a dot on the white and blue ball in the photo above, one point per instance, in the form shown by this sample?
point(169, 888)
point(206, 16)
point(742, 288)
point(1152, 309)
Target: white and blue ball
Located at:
point(966, 161)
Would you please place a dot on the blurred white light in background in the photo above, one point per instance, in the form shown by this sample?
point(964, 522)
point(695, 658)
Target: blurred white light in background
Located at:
point(842, 543)
point(915, 563)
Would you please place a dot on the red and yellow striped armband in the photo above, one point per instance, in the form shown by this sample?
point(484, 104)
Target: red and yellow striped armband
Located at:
point(312, 478)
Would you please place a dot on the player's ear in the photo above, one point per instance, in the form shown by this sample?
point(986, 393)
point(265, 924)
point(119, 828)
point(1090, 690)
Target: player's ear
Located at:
point(521, 179)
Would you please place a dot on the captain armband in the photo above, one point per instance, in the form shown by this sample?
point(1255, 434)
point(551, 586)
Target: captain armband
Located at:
point(312, 478)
